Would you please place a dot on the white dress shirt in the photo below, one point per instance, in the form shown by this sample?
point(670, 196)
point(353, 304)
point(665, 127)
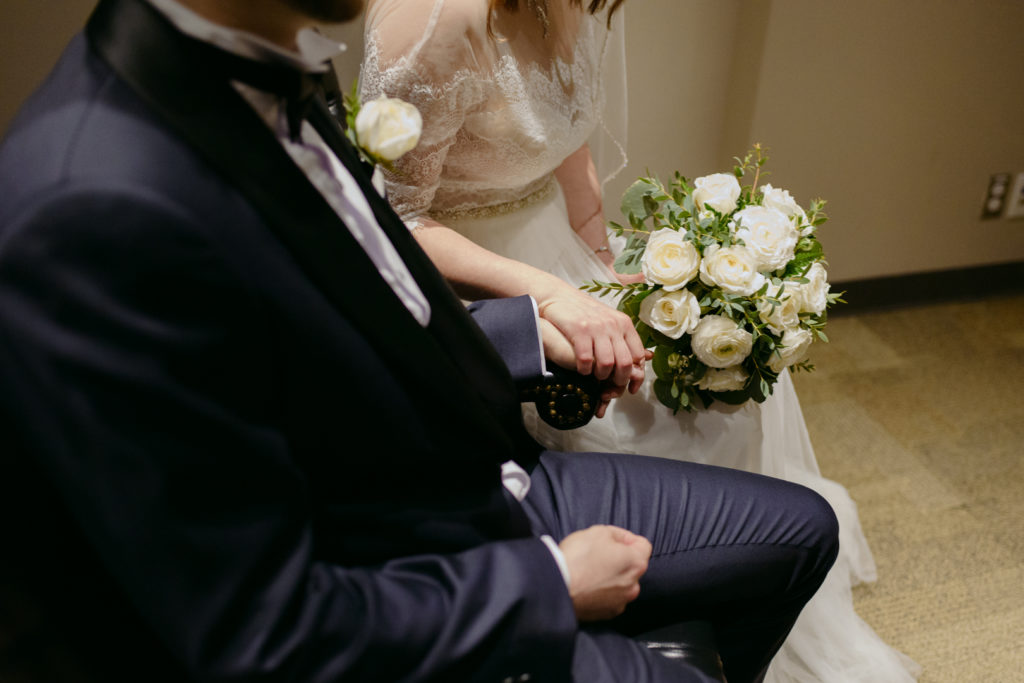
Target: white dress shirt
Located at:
point(330, 177)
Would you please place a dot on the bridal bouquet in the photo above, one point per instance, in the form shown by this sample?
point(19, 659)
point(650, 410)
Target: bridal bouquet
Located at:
point(734, 285)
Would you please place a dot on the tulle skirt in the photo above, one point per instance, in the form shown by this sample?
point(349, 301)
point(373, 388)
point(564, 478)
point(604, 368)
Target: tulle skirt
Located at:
point(830, 643)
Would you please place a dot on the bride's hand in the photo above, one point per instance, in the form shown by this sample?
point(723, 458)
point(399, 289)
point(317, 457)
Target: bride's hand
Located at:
point(557, 348)
point(603, 339)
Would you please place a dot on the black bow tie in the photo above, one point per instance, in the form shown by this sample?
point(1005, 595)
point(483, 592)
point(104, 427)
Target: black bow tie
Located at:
point(297, 88)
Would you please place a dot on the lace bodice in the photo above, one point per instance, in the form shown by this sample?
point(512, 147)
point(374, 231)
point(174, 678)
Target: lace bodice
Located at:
point(500, 112)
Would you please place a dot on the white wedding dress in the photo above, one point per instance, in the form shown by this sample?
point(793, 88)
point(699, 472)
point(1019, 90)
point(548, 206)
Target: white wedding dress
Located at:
point(500, 114)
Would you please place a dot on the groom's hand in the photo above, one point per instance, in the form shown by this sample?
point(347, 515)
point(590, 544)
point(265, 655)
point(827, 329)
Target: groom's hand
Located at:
point(605, 565)
point(559, 350)
point(611, 391)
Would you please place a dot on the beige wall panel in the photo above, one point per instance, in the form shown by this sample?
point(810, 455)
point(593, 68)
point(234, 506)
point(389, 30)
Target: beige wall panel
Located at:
point(33, 33)
point(679, 58)
point(346, 65)
point(897, 113)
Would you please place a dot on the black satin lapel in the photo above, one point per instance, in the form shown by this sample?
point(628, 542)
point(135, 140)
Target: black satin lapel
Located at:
point(460, 336)
point(162, 66)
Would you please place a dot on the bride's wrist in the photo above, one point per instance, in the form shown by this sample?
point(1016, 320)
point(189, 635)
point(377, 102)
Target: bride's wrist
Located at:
point(606, 256)
point(602, 249)
point(547, 288)
point(594, 232)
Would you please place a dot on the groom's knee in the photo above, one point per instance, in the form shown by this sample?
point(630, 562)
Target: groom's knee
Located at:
point(821, 531)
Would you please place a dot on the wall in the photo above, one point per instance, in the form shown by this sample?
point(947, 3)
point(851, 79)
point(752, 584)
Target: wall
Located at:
point(346, 65)
point(34, 32)
point(32, 35)
point(896, 112)
point(679, 59)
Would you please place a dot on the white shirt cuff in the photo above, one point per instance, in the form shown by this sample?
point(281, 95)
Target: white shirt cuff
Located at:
point(540, 339)
point(556, 552)
point(515, 479)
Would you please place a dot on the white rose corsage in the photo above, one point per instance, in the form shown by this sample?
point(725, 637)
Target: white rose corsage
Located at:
point(382, 129)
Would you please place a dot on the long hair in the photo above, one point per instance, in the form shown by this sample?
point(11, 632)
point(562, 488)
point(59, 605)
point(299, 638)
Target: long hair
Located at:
point(540, 8)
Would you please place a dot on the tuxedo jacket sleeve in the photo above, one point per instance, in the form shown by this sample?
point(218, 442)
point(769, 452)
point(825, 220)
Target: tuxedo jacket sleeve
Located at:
point(511, 326)
point(266, 493)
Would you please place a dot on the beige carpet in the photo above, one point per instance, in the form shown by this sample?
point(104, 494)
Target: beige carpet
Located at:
point(920, 413)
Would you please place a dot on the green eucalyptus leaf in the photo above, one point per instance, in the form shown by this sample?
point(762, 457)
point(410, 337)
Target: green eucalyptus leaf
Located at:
point(650, 205)
point(631, 258)
point(685, 401)
point(633, 198)
point(689, 206)
point(663, 392)
point(660, 362)
point(800, 263)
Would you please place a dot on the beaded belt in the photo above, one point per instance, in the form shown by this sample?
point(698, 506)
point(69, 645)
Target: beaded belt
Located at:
point(543, 192)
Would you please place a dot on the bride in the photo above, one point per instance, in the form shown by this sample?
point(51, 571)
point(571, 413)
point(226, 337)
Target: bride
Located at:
point(504, 194)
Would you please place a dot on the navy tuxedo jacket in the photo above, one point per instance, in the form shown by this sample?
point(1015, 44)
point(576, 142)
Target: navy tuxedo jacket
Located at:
point(236, 455)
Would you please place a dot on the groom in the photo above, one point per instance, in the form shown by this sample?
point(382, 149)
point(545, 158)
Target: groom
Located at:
point(250, 435)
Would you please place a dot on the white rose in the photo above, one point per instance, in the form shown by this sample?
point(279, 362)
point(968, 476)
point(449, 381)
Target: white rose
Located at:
point(779, 317)
point(795, 344)
point(780, 200)
point(718, 191)
point(813, 294)
point(769, 235)
point(718, 342)
point(734, 269)
point(726, 379)
point(388, 128)
point(777, 198)
point(672, 313)
point(670, 260)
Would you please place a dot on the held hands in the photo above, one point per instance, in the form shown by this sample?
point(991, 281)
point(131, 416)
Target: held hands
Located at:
point(582, 332)
point(559, 350)
point(603, 340)
point(605, 566)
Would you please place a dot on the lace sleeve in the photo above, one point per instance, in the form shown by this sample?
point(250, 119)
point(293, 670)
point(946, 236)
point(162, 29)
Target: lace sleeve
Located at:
point(426, 53)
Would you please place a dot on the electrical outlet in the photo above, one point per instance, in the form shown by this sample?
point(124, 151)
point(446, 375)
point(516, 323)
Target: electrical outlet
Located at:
point(995, 197)
point(1015, 198)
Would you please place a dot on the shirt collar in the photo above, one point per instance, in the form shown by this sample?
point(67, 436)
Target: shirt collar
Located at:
point(313, 47)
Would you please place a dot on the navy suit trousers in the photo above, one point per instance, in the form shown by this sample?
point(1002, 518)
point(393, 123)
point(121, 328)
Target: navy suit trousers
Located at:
point(740, 550)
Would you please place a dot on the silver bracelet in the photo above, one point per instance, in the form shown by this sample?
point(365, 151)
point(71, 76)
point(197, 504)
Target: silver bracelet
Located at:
point(602, 248)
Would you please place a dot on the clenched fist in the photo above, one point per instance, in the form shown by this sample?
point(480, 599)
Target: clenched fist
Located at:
point(605, 566)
